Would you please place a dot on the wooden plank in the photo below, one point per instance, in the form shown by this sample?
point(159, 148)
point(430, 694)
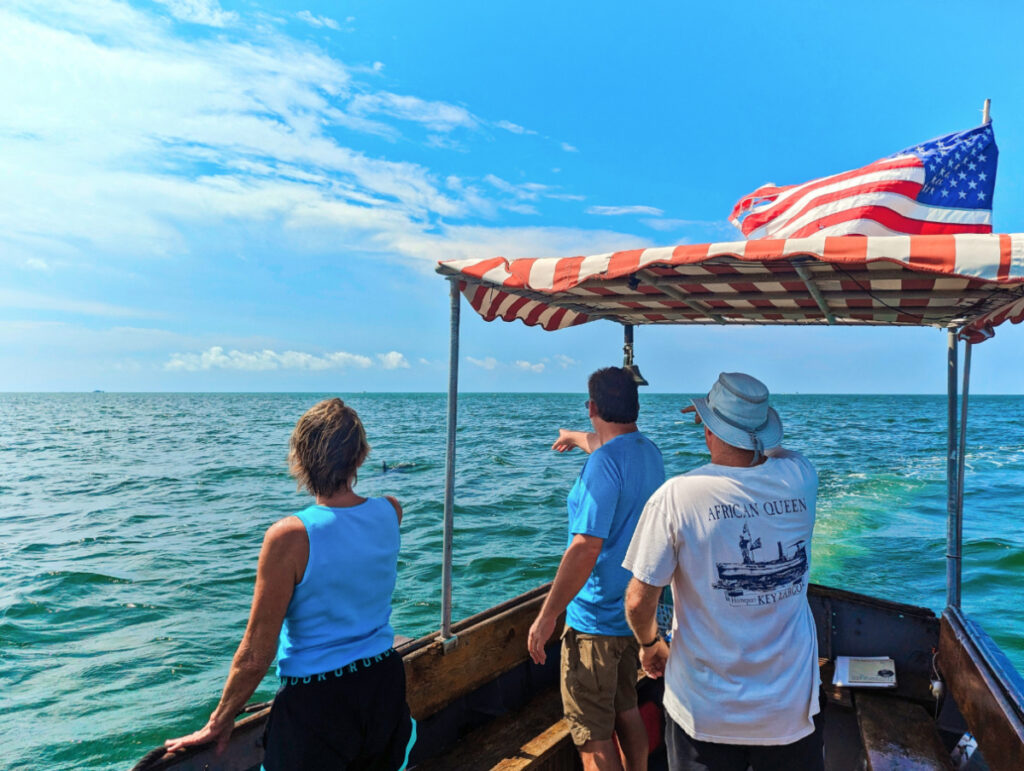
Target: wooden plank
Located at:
point(532, 738)
point(552, 750)
point(899, 735)
point(982, 698)
point(484, 650)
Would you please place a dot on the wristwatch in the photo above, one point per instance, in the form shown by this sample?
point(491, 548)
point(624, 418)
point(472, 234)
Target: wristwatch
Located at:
point(652, 642)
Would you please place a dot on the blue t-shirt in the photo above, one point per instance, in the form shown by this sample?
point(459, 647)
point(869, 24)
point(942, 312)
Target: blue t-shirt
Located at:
point(340, 611)
point(606, 502)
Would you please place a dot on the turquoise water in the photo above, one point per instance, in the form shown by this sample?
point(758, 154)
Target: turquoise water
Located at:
point(130, 525)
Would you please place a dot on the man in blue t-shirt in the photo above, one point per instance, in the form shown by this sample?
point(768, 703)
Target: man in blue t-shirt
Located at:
point(599, 653)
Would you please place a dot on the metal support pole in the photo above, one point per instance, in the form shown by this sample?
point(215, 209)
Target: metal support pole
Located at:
point(627, 356)
point(961, 456)
point(952, 467)
point(449, 466)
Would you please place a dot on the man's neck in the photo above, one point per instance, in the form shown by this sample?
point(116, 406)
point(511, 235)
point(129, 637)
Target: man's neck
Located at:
point(607, 431)
point(733, 456)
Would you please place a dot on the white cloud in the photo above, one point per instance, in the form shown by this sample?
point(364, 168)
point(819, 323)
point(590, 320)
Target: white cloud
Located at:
point(527, 191)
point(255, 361)
point(37, 264)
point(530, 367)
point(569, 148)
point(128, 140)
point(436, 116)
point(207, 12)
point(377, 66)
point(615, 211)
point(716, 226)
point(564, 361)
point(489, 363)
point(317, 21)
point(393, 360)
point(514, 128)
point(473, 242)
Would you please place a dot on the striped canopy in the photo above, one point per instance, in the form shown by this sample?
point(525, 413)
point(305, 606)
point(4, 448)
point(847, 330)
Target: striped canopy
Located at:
point(968, 282)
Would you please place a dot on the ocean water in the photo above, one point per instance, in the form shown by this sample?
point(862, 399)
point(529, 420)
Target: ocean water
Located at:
point(130, 526)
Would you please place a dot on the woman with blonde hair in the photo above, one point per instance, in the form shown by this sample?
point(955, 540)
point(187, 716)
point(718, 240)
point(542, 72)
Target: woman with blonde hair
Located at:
point(322, 603)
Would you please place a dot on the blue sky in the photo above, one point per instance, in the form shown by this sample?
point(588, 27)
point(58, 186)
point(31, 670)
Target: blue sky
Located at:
point(250, 196)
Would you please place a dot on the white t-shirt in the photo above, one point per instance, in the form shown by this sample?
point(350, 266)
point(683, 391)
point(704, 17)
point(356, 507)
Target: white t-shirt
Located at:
point(736, 545)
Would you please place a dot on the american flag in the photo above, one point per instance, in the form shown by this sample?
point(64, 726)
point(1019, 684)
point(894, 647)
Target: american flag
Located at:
point(941, 186)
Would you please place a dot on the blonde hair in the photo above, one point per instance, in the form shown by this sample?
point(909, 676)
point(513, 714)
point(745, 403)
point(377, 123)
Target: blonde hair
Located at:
point(326, 447)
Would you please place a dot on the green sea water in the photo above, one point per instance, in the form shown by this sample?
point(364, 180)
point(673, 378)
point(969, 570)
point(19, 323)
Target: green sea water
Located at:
point(130, 526)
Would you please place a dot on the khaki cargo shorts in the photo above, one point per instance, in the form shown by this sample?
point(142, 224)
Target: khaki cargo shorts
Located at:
point(599, 674)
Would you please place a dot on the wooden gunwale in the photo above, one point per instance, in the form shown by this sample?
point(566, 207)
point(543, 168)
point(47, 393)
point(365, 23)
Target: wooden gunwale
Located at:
point(989, 703)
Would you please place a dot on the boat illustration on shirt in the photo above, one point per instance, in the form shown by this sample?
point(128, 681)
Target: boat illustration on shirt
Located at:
point(752, 575)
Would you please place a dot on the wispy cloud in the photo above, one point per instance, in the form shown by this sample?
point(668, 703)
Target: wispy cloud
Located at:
point(393, 360)
point(436, 116)
point(616, 211)
point(317, 21)
point(718, 226)
point(129, 139)
point(206, 12)
point(564, 361)
point(490, 363)
point(529, 366)
point(255, 361)
point(514, 128)
point(569, 148)
point(487, 363)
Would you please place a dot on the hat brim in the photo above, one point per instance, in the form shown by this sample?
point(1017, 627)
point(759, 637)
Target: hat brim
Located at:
point(770, 435)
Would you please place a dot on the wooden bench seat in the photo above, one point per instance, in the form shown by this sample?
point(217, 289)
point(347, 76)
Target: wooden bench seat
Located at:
point(898, 735)
point(535, 737)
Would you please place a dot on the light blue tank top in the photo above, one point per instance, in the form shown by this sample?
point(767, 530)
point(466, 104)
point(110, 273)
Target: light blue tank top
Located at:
point(341, 610)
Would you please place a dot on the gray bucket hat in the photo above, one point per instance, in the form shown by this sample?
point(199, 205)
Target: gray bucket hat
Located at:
point(736, 411)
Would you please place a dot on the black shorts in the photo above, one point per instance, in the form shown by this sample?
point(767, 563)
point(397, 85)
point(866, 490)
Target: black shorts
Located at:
point(686, 754)
point(351, 718)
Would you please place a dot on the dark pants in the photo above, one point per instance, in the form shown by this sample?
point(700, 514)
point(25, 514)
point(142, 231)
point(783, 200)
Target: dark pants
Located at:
point(686, 754)
point(353, 718)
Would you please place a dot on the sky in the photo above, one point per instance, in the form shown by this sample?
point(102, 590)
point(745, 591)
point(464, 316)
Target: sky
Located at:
point(209, 195)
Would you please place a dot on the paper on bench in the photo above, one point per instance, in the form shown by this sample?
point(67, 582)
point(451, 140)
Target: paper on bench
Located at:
point(865, 672)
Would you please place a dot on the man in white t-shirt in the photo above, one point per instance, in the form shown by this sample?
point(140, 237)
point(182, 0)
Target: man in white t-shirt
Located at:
point(733, 537)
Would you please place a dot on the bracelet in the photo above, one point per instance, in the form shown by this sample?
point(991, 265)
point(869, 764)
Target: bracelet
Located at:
point(657, 637)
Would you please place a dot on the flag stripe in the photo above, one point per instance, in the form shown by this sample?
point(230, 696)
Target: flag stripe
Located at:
point(909, 169)
point(944, 185)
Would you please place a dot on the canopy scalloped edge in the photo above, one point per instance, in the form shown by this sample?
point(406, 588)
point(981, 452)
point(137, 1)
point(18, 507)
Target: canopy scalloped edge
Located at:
point(556, 293)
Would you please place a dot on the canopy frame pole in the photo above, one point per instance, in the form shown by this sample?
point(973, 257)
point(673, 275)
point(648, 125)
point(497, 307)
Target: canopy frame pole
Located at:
point(954, 530)
point(446, 638)
point(961, 460)
point(815, 292)
point(649, 277)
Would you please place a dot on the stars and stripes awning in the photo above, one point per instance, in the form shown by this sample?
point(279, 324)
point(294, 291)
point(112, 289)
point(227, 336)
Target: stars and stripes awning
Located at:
point(969, 282)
